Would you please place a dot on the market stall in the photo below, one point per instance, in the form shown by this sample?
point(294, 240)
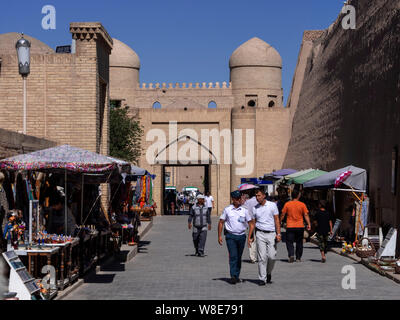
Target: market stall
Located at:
point(349, 201)
point(143, 202)
point(57, 212)
point(267, 185)
point(131, 202)
point(277, 176)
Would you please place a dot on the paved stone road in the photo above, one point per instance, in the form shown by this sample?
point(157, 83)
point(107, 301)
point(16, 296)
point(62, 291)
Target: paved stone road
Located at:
point(165, 269)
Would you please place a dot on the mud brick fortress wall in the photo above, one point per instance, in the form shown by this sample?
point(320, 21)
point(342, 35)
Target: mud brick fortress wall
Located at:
point(345, 101)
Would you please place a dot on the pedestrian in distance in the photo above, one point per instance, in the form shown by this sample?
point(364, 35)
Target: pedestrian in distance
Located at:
point(324, 228)
point(210, 201)
point(268, 233)
point(296, 212)
point(200, 216)
point(234, 220)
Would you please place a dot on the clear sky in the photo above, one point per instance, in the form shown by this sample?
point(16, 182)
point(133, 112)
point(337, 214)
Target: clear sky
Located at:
point(182, 40)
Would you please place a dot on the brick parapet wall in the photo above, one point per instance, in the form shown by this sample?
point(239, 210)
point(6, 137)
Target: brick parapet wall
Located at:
point(13, 143)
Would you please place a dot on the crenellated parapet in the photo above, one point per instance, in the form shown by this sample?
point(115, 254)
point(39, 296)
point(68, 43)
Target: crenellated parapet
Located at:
point(184, 85)
point(89, 31)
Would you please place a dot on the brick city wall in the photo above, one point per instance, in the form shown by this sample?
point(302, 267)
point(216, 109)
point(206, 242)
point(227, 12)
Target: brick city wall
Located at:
point(348, 108)
point(63, 93)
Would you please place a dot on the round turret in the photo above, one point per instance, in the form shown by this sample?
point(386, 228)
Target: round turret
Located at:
point(124, 66)
point(255, 64)
point(8, 41)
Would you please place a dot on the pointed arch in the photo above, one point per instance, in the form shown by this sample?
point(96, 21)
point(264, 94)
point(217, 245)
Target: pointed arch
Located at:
point(212, 105)
point(156, 105)
point(190, 138)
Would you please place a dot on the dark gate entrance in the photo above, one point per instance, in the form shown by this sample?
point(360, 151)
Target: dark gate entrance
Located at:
point(172, 180)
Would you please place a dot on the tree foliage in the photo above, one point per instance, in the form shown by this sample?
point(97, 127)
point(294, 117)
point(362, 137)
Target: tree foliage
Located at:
point(125, 135)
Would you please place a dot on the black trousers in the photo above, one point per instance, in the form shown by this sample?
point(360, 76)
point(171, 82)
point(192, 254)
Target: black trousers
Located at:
point(294, 235)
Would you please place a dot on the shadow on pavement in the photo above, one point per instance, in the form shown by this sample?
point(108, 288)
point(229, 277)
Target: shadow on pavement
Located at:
point(113, 267)
point(143, 243)
point(142, 246)
point(249, 261)
point(100, 278)
point(194, 255)
point(254, 281)
point(223, 279)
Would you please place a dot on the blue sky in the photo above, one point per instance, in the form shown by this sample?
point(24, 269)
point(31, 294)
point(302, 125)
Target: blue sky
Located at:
point(182, 40)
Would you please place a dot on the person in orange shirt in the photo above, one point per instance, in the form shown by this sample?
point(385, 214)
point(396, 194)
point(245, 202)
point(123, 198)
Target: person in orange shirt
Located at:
point(296, 212)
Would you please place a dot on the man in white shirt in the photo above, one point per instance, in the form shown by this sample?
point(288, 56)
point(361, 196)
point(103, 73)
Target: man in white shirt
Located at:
point(267, 226)
point(235, 219)
point(249, 204)
point(209, 202)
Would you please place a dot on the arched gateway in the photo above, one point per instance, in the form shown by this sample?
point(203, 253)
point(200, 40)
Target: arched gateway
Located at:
point(187, 142)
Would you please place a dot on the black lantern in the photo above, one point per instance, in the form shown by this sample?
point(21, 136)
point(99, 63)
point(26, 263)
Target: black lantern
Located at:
point(24, 58)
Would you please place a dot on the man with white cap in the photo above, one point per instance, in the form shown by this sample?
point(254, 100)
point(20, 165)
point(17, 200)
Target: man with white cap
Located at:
point(200, 215)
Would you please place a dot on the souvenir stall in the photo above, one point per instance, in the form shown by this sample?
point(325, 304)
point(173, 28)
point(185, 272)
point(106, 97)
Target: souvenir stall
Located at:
point(40, 231)
point(143, 202)
point(128, 205)
point(349, 204)
point(282, 191)
point(267, 185)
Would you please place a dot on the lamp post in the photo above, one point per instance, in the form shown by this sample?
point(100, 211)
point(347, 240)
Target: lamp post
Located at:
point(24, 62)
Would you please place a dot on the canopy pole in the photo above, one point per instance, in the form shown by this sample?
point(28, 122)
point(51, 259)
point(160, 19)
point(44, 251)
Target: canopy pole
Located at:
point(65, 204)
point(82, 200)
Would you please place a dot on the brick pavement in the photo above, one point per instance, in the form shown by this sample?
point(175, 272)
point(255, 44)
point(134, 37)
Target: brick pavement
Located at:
point(165, 269)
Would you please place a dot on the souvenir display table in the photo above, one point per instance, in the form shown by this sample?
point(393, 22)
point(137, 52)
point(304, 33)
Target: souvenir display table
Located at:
point(103, 248)
point(74, 261)
point(33, 255)
point(88, 252)
point(64, 262)
point(34, 267)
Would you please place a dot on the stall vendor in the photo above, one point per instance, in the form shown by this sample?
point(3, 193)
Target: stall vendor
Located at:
point(57, 217)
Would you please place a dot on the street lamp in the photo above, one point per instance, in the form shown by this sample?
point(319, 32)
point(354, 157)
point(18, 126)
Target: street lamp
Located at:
point(24, 62)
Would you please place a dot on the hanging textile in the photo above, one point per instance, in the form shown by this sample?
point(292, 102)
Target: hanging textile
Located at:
point(364, 214)
point(8, 189)
point(148, 187)
point(151, 192)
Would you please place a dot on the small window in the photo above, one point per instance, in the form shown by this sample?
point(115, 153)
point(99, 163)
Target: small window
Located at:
point(212, 105)
point(271, 104)
point(157, 105)
point(251, 103)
